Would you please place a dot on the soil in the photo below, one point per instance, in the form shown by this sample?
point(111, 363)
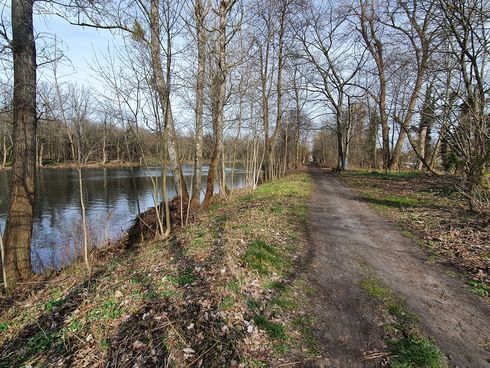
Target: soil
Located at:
point(347, 237)
point(145, 225)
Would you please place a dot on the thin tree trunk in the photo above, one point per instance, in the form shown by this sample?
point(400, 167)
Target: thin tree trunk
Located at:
point(84, 219)
point(41, 149)
point(422, 145)
point(162, 89)
point(201, 74)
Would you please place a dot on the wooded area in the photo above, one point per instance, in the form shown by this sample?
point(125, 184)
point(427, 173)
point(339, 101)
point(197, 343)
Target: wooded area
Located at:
point(271, 84)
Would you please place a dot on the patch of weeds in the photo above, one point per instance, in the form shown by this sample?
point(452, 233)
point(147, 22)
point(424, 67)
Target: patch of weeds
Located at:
point(277, 285)
point(186, 277)
point(112, 265)
point(263, 257)
point(140, 279)
point(40, 342)
point(415, 352)
point(404, 320)
point(253, 304)
point(446, 192)
point(284, 299)
point(221, 218)
point(389, 175)
point(302, 212)
point(277, 209)
point(166, 287)
point(253, 362)
point(75, 325)
point(109, 309)
point(304, 325)
point(479, 288)
point(284, 302)
point(51, 304)
point(397, 202)
point(227, 302)
point(233, 285)
point(409, 348)
point(55, 300)
point(274, 330)
point(375, 289)
point(105, 344)
point(246, 198)
point(4, 326)
point(150, 295)
point(197, 242)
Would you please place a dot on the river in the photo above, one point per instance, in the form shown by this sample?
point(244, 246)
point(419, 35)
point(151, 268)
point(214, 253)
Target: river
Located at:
point(113, 198)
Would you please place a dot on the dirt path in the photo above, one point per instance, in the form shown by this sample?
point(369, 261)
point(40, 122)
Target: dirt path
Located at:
point(346, 233)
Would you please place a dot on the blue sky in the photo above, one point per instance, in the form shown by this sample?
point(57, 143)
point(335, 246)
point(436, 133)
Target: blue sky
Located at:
point(78, 45)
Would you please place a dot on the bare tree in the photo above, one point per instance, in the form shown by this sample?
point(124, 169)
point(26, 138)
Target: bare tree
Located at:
point(324, 37)
point(464, 119)
point(218, 92)
point(200, 13)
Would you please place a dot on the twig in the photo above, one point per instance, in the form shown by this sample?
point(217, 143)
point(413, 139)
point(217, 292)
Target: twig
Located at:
point(374, 355)
point(288, 364)
point(200, 356)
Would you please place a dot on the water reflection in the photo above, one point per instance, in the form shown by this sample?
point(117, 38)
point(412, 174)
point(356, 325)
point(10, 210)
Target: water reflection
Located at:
point(114, 197)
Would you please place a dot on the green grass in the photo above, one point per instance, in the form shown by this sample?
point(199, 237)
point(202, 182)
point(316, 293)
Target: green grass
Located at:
point(375, 289)
point(3, 326)
point(398, 202)
point(54, 301)
point(227, 302)
point(291, 186)
point(304, 324)
point(479, 288)
point(274, 330)
point(415, 352)
point(263, 258)
point(391, 175)
point(109, 309)
point(186, 277)
point(253, 304)
point(409, 348)
point(253, 363)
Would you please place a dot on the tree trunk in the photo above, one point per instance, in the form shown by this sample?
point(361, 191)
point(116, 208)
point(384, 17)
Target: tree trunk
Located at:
point(394, 162)
point(201, 74)
point(5, 153)
point(41, 152)
point(162, 89)
point(18, 229)
point(422, 145)
point(219, 89)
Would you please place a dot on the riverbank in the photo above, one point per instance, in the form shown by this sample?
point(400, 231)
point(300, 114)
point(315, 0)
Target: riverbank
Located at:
point(114, 164)
point(224, 291)
point(433, 212)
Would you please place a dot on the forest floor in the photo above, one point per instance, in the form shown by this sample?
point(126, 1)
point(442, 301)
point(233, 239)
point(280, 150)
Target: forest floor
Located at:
point(379, 293)
point(228, 290)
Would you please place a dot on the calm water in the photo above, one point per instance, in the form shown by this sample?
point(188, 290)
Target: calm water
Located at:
point(114, 197)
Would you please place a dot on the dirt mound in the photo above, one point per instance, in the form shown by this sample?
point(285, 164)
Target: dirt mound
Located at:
point(145, 225)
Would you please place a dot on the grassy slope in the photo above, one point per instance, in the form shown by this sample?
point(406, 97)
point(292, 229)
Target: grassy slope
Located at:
point(431, 211)
point(222, 292)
